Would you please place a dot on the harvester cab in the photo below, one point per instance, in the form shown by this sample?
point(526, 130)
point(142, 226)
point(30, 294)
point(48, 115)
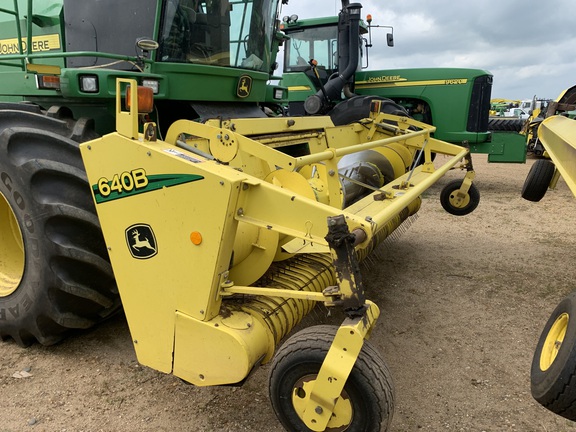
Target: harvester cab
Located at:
point(216, 228)
point(330, 51)
point(201, 58)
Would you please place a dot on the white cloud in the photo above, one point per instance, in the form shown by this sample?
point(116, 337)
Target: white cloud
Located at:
point(528, 46)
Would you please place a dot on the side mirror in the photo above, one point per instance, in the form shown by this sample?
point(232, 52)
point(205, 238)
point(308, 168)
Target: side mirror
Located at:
point(146, 45)
point(390, 39)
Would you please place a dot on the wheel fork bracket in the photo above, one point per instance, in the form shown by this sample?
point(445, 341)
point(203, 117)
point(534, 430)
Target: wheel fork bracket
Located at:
point(462, 193)
point(347, 344)
point(336, 368)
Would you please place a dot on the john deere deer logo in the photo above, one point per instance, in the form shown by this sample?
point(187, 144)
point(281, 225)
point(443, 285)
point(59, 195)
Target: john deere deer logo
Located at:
point(244, 86)
point(141, 241)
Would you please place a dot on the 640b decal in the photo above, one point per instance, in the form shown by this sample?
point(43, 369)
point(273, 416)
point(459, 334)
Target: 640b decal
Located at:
point(135, 182)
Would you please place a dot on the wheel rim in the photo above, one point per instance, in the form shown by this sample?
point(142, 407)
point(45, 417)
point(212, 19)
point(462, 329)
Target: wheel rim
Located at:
point(343, 412)
point(458, 202)
point(12, 250)
point(554, 341)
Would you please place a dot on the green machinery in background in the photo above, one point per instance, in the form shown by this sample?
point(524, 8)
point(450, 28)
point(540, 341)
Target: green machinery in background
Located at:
point(325, 62)
point(144, 165)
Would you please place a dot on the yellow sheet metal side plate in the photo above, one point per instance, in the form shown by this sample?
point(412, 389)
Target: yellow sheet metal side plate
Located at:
point(150, 199)
point(220, 351)
point(558, 135)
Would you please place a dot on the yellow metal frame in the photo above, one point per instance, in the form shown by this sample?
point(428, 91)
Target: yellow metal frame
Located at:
point(336, 368)
point(212, 190)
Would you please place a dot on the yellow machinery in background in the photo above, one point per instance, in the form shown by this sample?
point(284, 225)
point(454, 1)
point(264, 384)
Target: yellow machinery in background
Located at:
point(554, 362)
point(223, 236)
point(558, 134)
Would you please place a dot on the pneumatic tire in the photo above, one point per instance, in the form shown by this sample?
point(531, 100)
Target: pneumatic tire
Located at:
point(369, 389)
point(450, 202)
point(538, 180)
point(358, 107)
point(553, 372)
point(505, 124)
point(55, 273)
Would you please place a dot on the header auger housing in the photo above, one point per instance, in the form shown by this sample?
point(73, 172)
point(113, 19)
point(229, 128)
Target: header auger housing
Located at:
point(248, 216)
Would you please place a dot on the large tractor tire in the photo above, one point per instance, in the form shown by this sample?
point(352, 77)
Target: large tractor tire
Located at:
point(55, 273)
point(366, 402)
point(358, 107)
point(505, 124)
point(553, 372)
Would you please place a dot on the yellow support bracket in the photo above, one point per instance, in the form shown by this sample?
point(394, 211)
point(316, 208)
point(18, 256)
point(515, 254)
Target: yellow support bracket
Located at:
point(336, 368)
point(465, 187)
point(127, 121)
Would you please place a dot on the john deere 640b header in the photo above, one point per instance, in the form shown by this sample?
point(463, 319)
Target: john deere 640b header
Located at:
point(215, 227)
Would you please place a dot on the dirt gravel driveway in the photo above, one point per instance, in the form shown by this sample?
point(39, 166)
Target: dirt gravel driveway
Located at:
point(463, 300)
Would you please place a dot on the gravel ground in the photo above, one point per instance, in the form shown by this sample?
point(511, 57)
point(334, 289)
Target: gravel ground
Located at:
point(463, 301)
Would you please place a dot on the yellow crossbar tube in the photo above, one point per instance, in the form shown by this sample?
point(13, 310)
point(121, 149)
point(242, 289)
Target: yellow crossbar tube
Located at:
point(338, 152)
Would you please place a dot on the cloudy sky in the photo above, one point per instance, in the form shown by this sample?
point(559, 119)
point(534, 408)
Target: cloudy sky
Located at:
point(529, 46)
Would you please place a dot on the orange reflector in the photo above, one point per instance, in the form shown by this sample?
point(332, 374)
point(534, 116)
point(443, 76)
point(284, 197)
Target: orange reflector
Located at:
point(145, 99)
point(48, 82)
point(196, 238)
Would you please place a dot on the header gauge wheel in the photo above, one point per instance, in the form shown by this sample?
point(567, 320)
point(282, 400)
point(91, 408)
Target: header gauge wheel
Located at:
point(456, 205)
point(365, 404)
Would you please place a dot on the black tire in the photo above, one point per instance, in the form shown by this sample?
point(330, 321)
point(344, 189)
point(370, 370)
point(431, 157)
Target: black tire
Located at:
point(553, 372)
point(57, 276)
point(538, 180)
point(358, 107)
point(447, 197)
point(503, 124)
point(369, 387)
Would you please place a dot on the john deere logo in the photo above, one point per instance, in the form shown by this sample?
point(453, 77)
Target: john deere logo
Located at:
point(244, 86)
point(141, 241)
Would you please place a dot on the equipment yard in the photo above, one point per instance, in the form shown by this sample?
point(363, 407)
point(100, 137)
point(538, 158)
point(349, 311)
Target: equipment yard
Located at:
point(463, 301)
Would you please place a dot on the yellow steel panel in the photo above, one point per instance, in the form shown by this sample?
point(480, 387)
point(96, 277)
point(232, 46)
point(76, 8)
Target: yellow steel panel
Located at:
point(254, 251)
point(558, 135)
point(178, 274)
point(221, 351)
point(281, 210)
point(12, 258)
point(127, 121)
point(43, 69)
